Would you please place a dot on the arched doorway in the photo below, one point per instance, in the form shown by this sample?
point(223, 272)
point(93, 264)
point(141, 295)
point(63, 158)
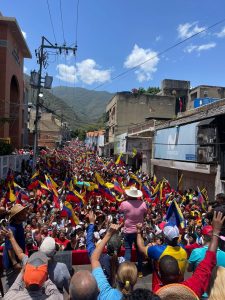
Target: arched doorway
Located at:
point(14, 111)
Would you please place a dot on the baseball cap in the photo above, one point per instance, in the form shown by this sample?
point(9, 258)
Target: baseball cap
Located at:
point(36, 270)
point(207, 230)
point(48, 246)
point(102, 231)
point(171, 232)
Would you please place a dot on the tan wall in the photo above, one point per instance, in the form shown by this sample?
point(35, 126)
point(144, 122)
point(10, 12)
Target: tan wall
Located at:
point(212, 92)
point(132, 110)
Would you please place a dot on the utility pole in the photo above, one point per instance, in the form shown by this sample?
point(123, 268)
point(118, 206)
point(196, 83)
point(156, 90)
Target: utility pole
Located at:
point(42, 61)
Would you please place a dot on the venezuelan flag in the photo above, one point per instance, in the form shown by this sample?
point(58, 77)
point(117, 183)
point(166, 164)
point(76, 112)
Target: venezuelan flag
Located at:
point(146, 192)
point(71, 214)
point(106, 193)
point(117, 187)
point(134, 152)
point(118, 158)
point(50, 186)
point(99, 179)
point(12, 196)
point(174, 215)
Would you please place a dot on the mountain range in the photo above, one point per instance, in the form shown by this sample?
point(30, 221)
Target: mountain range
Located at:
point(81, 108)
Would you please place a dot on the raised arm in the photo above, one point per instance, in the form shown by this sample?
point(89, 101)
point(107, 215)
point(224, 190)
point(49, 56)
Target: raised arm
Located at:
point(202, 274)
point(98, 250)
point(90, 245)
point(140, 242)
point(18, 251)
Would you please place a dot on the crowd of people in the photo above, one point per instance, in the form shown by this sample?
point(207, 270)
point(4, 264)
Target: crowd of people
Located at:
point(75, 200)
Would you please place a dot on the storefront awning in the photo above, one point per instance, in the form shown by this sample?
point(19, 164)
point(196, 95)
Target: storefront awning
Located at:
point(206, 122)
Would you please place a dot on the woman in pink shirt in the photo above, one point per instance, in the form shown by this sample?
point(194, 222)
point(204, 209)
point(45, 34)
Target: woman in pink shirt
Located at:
point(134, 210)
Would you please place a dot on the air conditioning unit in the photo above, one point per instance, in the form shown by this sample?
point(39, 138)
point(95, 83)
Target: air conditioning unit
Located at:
point(206, 136)
point(206, 154)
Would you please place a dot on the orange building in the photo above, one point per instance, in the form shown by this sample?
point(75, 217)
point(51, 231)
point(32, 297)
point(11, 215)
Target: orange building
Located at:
point(13, 50)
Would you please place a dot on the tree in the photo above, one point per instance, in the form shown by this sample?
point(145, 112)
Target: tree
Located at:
point(153, 90)
point(150, 90)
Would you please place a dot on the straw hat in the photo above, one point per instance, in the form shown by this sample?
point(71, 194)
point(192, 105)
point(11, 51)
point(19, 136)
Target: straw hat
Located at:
point(134, 192)
point(15, 210)
point(176, 291)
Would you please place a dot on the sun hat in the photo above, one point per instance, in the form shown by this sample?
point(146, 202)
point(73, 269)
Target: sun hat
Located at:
point(171, 232)
point(133, 192)
point(207, 230)
point(15, 210)
point(48, 246)
point(172, 292)
point(36, 270)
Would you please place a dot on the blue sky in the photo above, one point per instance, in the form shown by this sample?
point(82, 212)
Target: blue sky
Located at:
point(113, 36)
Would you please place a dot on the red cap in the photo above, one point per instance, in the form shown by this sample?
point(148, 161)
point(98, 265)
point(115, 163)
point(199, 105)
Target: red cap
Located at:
point(207, 230)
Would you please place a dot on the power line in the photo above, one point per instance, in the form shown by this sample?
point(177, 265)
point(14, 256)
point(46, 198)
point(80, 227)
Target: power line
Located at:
point(60, 6)
point(77, 18)
point(161, 53)
point(50, 16)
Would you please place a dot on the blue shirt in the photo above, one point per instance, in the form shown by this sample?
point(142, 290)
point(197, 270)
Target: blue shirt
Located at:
point(106, 291)
point(197, 255)
point(18, 232)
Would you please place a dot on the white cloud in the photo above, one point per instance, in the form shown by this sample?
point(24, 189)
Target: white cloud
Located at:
point(139, 56)
point(186, 30)
point(158, 38)
point(24, 34)
point(86, 71)
point(66, 73)
point(25, 70)
point(199, 48)
point(221, 34)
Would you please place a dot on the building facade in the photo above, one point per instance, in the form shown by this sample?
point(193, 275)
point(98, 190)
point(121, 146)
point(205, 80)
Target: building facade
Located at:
point(127, 109)
point(95, 141)
point(13, 50)
point(193, 145)
point(204, 94)
point(49, 129)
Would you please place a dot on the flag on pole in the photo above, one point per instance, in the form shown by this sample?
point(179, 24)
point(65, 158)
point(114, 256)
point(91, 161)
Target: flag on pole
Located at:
point(174, 215)
point(12, 196)
point(119, 159)
point(134, 152)
point(99, 178)
point(180, 183)
point(71, 214)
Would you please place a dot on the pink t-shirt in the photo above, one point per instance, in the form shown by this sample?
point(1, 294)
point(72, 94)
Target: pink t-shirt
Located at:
point(134, 211)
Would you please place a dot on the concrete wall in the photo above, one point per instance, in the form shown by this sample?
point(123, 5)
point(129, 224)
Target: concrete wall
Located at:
point(132, 110)
point(205, 92)
point(11, 161)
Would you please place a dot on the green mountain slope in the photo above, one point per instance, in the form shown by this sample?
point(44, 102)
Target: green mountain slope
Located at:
point(81, 108)
point(88, 104)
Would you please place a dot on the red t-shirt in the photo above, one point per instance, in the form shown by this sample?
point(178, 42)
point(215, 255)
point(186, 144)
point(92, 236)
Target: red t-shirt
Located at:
point(62, 243)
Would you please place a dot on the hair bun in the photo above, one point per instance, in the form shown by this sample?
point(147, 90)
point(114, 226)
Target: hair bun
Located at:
point(127, 284)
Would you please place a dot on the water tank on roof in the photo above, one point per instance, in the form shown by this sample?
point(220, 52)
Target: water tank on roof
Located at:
point(204, 101)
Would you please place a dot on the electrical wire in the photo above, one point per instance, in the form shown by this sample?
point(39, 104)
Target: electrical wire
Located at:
point(77, 18)
point(50, 16)
point(162, 52)
point(61, 15)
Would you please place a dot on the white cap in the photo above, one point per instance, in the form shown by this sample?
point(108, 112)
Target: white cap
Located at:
point(102, 231)
point(48, 246)
point(171, 232)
